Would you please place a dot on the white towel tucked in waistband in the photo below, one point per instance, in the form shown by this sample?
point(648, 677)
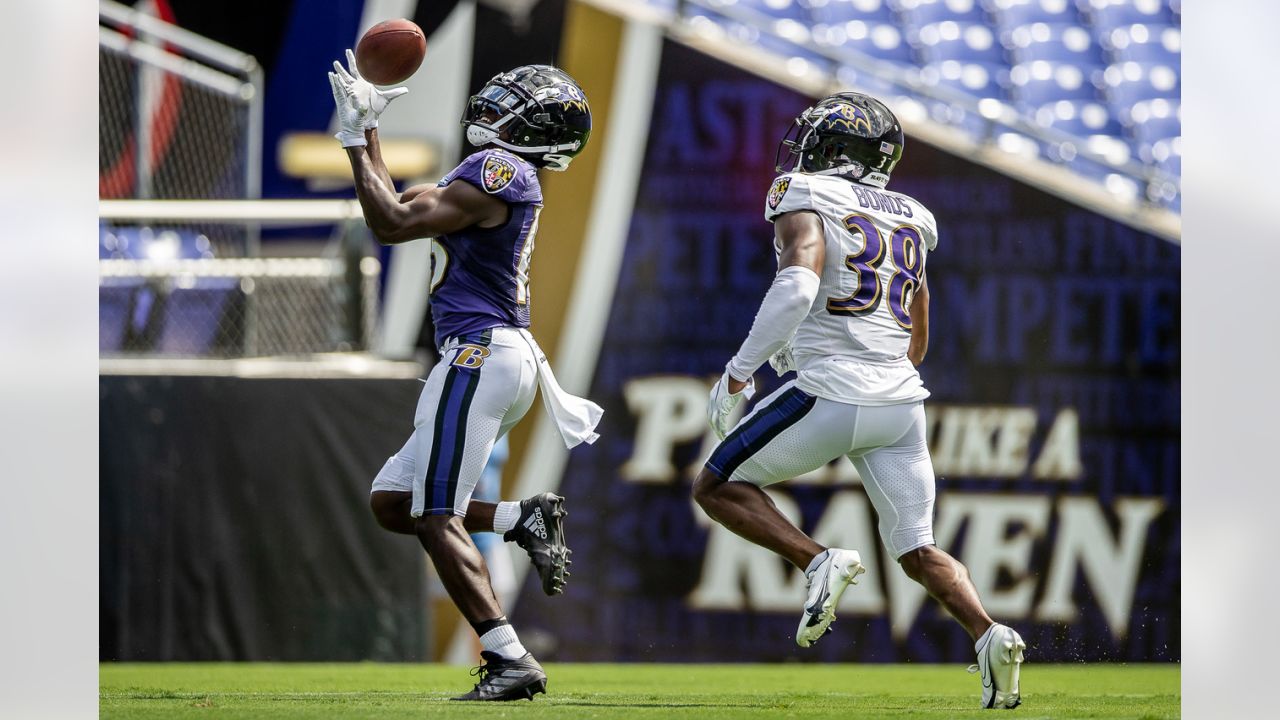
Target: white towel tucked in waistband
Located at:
point(576, 418)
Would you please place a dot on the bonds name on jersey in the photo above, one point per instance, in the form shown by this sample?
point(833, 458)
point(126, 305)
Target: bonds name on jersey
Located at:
point(852, 346)
point(480, 276)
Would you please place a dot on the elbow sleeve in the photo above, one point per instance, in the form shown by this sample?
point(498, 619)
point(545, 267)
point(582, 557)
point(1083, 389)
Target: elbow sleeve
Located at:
point(785, 305)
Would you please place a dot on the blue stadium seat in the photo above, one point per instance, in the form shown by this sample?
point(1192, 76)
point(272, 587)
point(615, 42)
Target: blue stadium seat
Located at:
point(144, 242)
point(1130, 82)
point(197, 319)
point(1154, 44)
point(1039, 83)
point(1150, 122)
point(1155, 120)
point(781, 9)
point(790, 38)
point(841, 11)
point(114, 303)
point(123, 242)
point(1054, 43)
point(1082, 119)
point(1015, 13)
point(924, 12)
point(109, 245)
point(982, 80)
point(883, 41)
point(1107, 14)
point(1093, 69)
point(124, 312)
point(849, 77)
point(966, 42)
point(1168, 156)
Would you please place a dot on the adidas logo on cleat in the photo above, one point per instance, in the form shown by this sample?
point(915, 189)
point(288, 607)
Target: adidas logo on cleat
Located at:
point(535, 524)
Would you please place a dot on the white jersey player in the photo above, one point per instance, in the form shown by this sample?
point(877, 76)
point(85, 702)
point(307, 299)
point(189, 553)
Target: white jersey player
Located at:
point(849, 312)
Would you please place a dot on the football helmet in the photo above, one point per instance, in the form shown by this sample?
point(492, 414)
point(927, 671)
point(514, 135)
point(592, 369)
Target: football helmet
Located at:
point(847, 134)
point(535, 111)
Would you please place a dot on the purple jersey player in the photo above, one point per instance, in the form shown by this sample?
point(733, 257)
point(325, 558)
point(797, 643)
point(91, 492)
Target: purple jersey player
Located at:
point(480, 276)
point(484, 218)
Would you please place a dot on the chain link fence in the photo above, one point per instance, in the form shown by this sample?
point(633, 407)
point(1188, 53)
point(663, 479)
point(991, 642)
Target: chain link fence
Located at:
point(235, 308)
point(180, 121)
point(179, 117)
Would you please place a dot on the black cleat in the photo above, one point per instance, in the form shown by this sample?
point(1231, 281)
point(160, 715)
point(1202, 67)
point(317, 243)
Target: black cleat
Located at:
point(540, 531)
point(502, 679)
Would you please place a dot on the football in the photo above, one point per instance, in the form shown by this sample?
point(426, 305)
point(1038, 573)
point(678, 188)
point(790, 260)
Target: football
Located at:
point(390, 52)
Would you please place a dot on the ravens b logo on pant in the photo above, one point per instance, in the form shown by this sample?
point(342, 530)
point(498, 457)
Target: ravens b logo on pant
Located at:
point(470, 356)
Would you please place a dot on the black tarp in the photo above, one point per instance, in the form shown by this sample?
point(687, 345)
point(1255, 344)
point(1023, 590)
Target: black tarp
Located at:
point(235, 523)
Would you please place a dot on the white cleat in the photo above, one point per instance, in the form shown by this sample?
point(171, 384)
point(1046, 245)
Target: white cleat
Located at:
point(1000, 661)
point(825, 586)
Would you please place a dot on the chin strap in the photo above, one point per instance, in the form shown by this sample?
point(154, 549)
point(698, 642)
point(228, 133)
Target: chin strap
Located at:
point(857, 172)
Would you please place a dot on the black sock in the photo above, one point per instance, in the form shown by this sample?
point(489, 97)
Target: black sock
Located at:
point(485, 626)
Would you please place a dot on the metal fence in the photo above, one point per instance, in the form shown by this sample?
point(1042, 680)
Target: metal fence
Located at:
point(165, 293)
point(179, 161)
point(179, 117)
point(236, 308)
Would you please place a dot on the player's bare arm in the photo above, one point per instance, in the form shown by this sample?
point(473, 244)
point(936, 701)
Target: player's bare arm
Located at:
point(374, 148)
point(919, 323)
point(428, 213)
point(803, 245)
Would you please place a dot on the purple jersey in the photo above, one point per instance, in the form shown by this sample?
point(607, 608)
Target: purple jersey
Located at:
point(480, 276)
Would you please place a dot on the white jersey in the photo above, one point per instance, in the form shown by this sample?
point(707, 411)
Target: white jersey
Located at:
point(852, 346)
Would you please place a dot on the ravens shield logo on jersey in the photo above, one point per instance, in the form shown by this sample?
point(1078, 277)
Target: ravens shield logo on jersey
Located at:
point(498, 172)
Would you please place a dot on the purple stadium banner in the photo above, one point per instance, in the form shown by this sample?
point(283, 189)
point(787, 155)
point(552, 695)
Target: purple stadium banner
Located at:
point(1054, 421)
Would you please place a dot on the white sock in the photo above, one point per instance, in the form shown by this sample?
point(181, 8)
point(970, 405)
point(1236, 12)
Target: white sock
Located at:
point(982, 640)
point(505, 517)
point(503, 641)
point(816, 561)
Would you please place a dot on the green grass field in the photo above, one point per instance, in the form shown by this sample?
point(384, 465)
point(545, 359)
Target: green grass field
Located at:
point(701, 692)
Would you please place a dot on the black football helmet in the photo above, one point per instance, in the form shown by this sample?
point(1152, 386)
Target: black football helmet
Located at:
point(847, 134)
point(535, 111)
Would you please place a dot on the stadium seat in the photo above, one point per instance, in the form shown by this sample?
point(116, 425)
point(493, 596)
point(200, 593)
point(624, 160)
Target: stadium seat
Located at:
point(1105, 72)
point(784, 37)
point(1054, 43)
point(1168, 156)
point(867, 83)
point(1152, 121)
point(1157, 119)
point(148, 243)
point(114, 302)
point(202, 320)
point(1152, 44)
point(124, 313)
point(924, 12)
point(797, 10)
point(1039, 83)
point(1108, 14)
point(842, 11)
point(982, 80)
point(966, 42)
point(1015, 13)
point(109, 245)
point(882, 41)
point(1130, 82)
point(1082, 119)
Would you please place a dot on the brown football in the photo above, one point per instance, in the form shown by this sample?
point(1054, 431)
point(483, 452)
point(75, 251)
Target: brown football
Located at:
point(390, 52)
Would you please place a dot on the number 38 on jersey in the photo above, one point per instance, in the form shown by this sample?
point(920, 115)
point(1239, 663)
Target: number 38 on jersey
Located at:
point(902, 251)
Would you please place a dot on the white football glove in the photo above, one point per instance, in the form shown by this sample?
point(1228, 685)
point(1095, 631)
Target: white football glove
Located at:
point(722, 403)
point(359, 103)
point(782, 361)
